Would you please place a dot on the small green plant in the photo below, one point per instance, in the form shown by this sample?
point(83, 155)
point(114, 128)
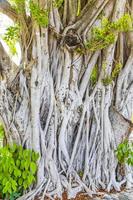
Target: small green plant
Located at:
point(109, 78)
point(94, 75)
point(117, 69)
point(38, 14)
point(105, 35)
point(11, 37)
point(18, 169)
point(124, 153)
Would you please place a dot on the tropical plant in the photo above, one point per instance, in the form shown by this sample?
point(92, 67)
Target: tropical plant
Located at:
point(18, 169)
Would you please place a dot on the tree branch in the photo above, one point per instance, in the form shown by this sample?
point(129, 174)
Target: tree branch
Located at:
point(8, 68)
point(6, 9)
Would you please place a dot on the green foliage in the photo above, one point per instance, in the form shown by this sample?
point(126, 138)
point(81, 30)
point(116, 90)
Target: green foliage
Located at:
point(124, 153)
point(38, 14)
point(124, 24)
point(105, 35)
point(94, 75)
point(2, 132)
point(109, 78)
point(17, 170)
point(58, 3)
point(100, 40)
point(11, 37)
point(18, 5)
point(116, 70)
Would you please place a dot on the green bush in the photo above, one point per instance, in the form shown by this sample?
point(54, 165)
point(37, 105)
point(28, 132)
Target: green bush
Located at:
point(39, 15)
point(124, 153)
point(11, 37)
point(105, 35)
point(109, 78)
point(18, 167)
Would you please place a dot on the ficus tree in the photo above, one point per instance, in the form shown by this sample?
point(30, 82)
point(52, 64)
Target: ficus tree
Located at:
point(71, 97)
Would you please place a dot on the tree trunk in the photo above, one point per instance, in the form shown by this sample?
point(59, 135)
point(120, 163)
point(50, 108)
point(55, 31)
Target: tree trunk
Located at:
point(49, 103)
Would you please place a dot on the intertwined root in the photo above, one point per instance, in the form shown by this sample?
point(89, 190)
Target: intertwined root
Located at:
point(54, 108)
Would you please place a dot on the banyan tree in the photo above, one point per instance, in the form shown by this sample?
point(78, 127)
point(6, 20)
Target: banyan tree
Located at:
point(71, 97)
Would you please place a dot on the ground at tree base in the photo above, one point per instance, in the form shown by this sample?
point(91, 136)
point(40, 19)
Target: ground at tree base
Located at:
point(124, 195)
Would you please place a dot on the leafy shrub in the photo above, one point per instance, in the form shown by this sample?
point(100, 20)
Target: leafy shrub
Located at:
point(38, 14)
point(105, 35)
point(18, 169)
point(11, 37)
point(94, 75)
point(109, 78)
point(124, 153)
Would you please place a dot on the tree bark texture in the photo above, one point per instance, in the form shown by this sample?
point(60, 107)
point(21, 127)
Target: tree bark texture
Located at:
point(49, 104)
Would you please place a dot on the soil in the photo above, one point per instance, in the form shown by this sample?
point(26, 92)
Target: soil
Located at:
point(81, 196)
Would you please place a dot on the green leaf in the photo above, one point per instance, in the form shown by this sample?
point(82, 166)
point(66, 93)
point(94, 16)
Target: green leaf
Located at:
point(20, 181)
point(17, 173)
point(16, 168)
point(18, 162)
point(5, 180)
point(14, 185)
point(1, 177)
point(24, 174)
point(7, 188)
point(26, 164)
point(33, 167)
point(25, 185)
point(22, 164)
point(13, 148)
point(35, 156)
point(31, 179)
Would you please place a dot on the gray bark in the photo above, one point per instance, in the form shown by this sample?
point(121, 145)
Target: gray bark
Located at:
point(49, 104)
